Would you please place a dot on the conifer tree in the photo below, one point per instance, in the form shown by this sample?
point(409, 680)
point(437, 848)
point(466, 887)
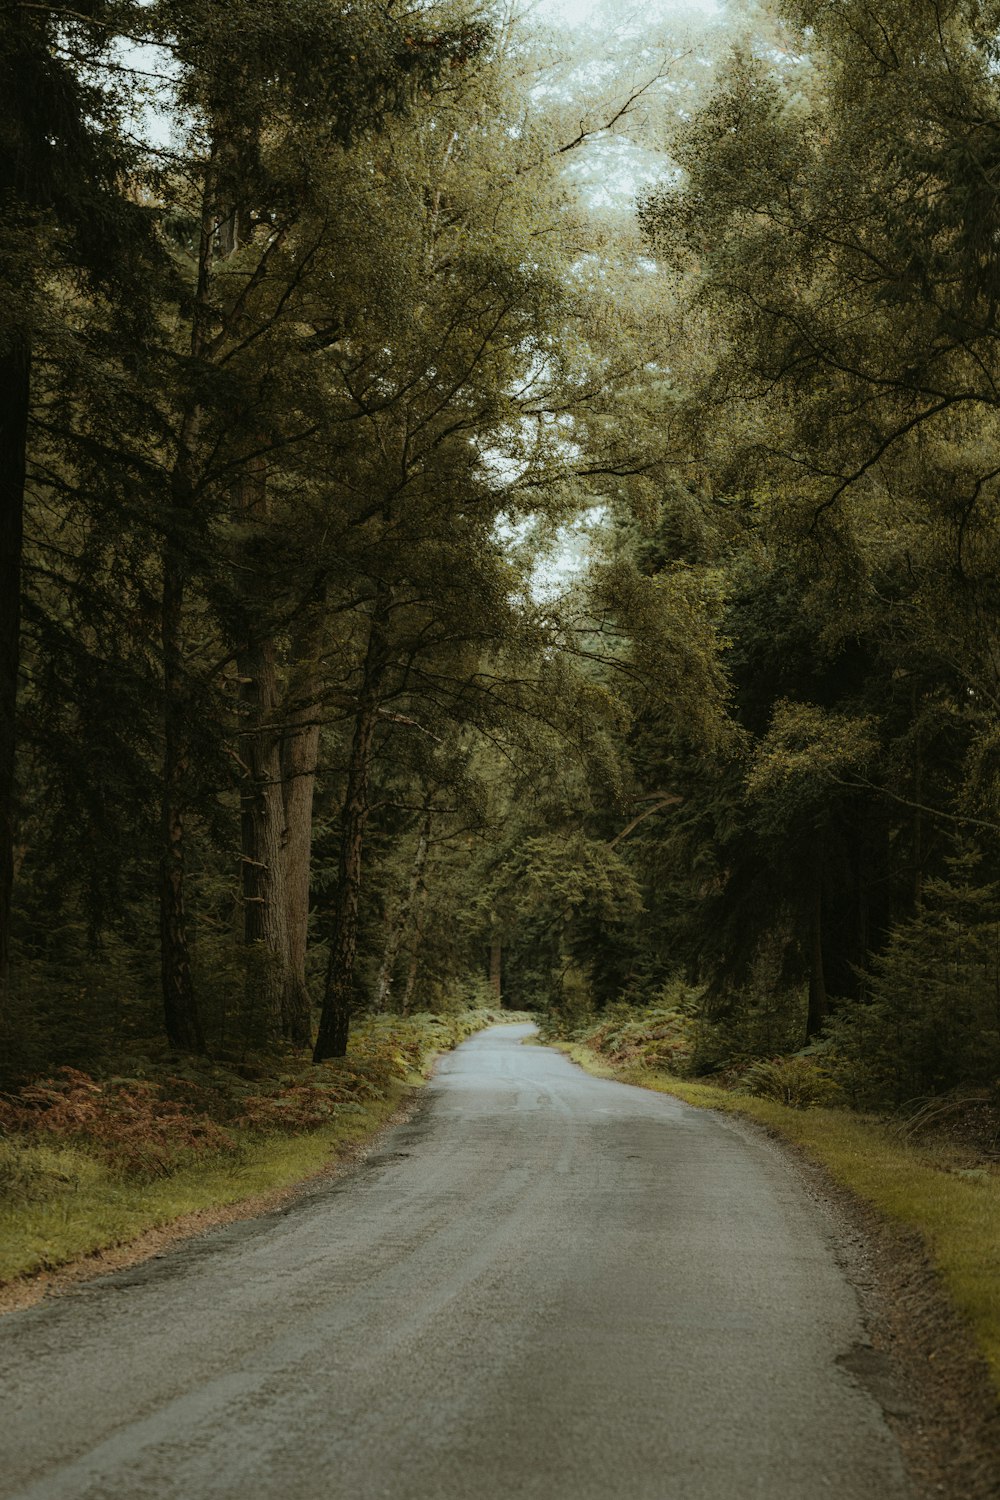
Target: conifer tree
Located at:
point(66, 219)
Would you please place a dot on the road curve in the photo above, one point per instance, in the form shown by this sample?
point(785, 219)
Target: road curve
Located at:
point(545, 1285)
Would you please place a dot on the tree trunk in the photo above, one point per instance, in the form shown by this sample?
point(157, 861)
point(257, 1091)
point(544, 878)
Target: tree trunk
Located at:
point(180, 1009)
point(496, 971)
point(338, 998)
point(262, 838)
point(299, 759)
point(15, 383)
point(818, 1003)
point(299, 762)
point(413, 968)
point(397, 931)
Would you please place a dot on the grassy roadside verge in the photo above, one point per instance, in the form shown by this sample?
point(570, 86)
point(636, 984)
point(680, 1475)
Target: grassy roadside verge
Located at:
point(931, 1188)
point(105, 1163)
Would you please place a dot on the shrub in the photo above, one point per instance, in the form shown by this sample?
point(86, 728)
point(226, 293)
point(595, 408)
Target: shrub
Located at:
point(128, 1123)
point(383, 1051)
point(655, 1036)
point(932, 1020)
point(799, 1082)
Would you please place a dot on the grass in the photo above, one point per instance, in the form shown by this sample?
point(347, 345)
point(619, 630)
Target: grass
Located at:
point(79, 1205)
point(929, 1187)
point(61, 1200)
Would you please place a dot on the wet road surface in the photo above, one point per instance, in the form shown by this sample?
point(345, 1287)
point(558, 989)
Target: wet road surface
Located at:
point(545, 1285)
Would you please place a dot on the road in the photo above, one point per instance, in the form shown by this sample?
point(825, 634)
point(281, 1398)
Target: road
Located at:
point(544, 1285)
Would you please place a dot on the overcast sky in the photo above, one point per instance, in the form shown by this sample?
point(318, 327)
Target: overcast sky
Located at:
point(573, 12)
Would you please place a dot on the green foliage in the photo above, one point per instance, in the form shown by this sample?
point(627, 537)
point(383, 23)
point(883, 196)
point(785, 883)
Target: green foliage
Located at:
point(799, 1082)
point(932, 1018)
point(570, 1002)
point(758, 1017)
point(654, 1037)
point(293, 476)
point(660, 1035)
point(561, 876)
point(804, 751)
point(130, 1124)
point(819, 240)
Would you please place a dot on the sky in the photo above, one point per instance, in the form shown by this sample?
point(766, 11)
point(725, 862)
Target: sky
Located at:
point(575, 12)
point(569, 552)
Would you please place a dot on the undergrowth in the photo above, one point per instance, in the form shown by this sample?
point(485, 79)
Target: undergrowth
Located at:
point(90, 1161)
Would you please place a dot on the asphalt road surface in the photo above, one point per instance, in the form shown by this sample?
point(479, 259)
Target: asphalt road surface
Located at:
point(544, 1285)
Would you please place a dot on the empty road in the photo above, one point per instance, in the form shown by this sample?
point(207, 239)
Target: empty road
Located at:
point(545, 1285)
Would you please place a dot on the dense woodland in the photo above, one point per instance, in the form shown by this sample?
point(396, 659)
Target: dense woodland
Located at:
point(480, 514)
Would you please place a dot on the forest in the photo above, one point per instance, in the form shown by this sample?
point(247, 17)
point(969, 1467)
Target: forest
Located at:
point(496, 517)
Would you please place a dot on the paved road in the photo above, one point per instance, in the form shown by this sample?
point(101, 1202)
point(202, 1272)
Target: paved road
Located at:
point(545, 1285)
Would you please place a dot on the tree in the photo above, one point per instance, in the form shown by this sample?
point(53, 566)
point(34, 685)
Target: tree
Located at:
point(822, 243)
point(270, 102)
point(65, 216)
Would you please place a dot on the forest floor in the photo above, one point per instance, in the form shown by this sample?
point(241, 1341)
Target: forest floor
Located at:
point(925, 1216)
point(105, 1169)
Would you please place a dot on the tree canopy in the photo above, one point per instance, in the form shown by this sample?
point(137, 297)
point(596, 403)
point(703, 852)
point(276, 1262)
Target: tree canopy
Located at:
point(480, 513)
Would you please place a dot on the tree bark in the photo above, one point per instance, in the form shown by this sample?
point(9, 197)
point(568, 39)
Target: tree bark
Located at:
point(301, 755)
point(818, 1001)
point(496, 971)
point(401, 920)
point(413, 968)
point(15, 385)
point(338, 997)
point(299, 760)
point(262, 837)
point(180, 1009)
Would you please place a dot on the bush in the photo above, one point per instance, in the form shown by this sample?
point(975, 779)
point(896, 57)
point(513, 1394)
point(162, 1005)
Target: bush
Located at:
point(383, 1051)
point(658, 1036)
point(932, 1020)
point(799, 1082)
point(755, 1022)
point(574, 1000)
point(127, 1123)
